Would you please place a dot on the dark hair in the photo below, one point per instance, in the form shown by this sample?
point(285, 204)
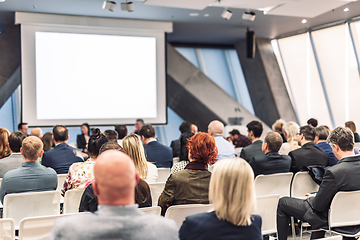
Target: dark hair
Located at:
point(21, 124)
point(322, 132)
point(110, 146)
point(202, 148)
point(234, 132)
point(88, 127)
point(274, 141)
point(47, 141)
point(147, 131)
point(61, 133)
point(313, 122)
point(184, 151)
point(140, 120)
point(308, 132)
point(142, 192)
point(15, 141)
point(256, 127)
point(97, 139)
point(343, 137)
point(185, 127)
point(111, 135)
point(121, 130)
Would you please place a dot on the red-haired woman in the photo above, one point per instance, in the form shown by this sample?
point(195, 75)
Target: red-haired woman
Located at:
point(191, 185)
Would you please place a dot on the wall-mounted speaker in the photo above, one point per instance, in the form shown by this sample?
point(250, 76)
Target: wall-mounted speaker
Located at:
point(250, 44)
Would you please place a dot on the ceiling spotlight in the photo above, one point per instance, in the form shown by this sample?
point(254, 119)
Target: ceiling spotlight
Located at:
point(227, 14)
point(304, 21)
point(109, 5)
point(346, 9)
point(127, 6)
point(249, 16)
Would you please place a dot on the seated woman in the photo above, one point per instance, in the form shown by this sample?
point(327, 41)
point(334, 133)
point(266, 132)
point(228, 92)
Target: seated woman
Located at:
point(5, 150)
point(184, 153)
point(89, 202)
point(290, 129)
point(83, 138)
point(191, 185)
point(233, 197)
point(81, 173)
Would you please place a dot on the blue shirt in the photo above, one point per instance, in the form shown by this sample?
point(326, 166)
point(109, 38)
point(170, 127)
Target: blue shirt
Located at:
point(225, 148)
point(30, 177)
point(332, 160)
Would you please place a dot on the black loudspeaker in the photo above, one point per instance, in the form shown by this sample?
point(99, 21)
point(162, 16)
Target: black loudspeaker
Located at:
point(250, 44)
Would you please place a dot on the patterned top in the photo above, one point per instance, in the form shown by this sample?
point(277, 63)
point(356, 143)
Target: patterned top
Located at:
point(241, 141)
point(80, 175)
point(179, 166)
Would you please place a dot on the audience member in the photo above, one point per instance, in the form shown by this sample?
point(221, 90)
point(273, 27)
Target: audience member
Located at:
point(175, 144)
point(322, 133)
point(14, 160)
point(62, 156)
point(255, 129)
point(122, 132)
point(23, 127)
point(83, 139)
point(134, 149)
point(36, 132)
point(352, 126)
point(238, 139)
point(156, 153)
point(225, 148)
point(343, 176)
point(138, 125)
point(118, 216)
point(111, 135)
point(81, 174)
point(312, 122)
point(184, 153)
point(31, 176)
point(194, 129)
point(232, 194)
point(278, 127)
point(309, 154)
point(191, 185)
point(5, 150)
point(48, 141)
point(272, 162)
point(290, 129)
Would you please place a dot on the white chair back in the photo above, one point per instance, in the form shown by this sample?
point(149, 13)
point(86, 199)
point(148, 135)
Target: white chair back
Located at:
point(357, 145)
point(31, 204)
point(178, 213)
point(155, 191)
point(163, 174)
point(238, 151)
point(72, 200)
point(61, 179)
point(273, 184)
point(302, 183)
point(7, 229)
point(152, 210)
point(266, 207)
point(345, 209)
point(36, 227)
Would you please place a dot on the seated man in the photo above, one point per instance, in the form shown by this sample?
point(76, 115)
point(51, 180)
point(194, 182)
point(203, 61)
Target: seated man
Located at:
point(31, 176)
point(272, 162)
point(225, 148)
point(238, 139)
point(343, 176)
point(118, 217)
point(322, 133)
point(255, 129)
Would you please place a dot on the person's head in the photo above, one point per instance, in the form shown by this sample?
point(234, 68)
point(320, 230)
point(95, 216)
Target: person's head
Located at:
point(115, 179)
point(4, 143)
point(184, 151)
point(48, 142)
point(342, 142)
point(147, 132)
point(351, 125)
point(85, 129)
point(133, 147)
point(23, 127)
point(321, 134)
point(194, 129)
point(15, 141)
point(306, 134)
point(290, 130)
point(216, 128)
point(312, 122)
point(202, 148)
point(32, 149)
point(185, 127)
point(96, 140)
point(231, 191)
point(278, 125)
point(255, 129)
point(139, 123)
point(121, 130)
point(110, 146)
point(272, 142)
point(36, 132)
point(111, 135)
point(60, 134)
point(234, 134)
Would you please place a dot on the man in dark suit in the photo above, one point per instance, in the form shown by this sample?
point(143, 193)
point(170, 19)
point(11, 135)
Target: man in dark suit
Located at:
point(309, 154)
point(255, 129)
point(272, 162)
point(175, 144)
point(155, 152)
point(62, 156)
point(344, 176)
point(322, 133)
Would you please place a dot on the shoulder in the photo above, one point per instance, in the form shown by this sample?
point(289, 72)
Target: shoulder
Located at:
point(202, 217)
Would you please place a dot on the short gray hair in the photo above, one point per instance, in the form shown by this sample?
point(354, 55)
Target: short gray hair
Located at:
point(343, 137)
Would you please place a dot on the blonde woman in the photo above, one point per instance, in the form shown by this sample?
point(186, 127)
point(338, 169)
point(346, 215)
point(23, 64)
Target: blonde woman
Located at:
point(291, 130)
point(133, 147)
point(278, 127)
point(5, 150)
point(232, 194)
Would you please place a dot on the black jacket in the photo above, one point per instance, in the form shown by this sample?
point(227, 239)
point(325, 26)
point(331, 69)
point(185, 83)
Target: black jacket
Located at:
point(270, 163)
point(308, 155)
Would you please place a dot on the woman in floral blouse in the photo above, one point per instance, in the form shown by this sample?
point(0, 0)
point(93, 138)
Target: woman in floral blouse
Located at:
point(81, 174)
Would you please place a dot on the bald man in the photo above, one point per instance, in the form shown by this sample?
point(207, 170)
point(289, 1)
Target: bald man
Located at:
point(37, 132)
point(225, 148)
point(118, 217)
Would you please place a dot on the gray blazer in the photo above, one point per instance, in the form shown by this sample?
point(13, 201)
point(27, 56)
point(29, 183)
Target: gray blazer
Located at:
point(10, 163)
point(114, 222)
point(253, 150)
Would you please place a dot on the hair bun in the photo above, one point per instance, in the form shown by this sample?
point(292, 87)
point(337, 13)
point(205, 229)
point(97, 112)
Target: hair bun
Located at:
point(96, 132)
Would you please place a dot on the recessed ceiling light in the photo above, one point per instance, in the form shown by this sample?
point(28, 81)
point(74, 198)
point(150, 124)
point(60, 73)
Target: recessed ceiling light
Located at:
point(206, 15)
point(346, 9)
point(304, 21)
point(194, 14)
